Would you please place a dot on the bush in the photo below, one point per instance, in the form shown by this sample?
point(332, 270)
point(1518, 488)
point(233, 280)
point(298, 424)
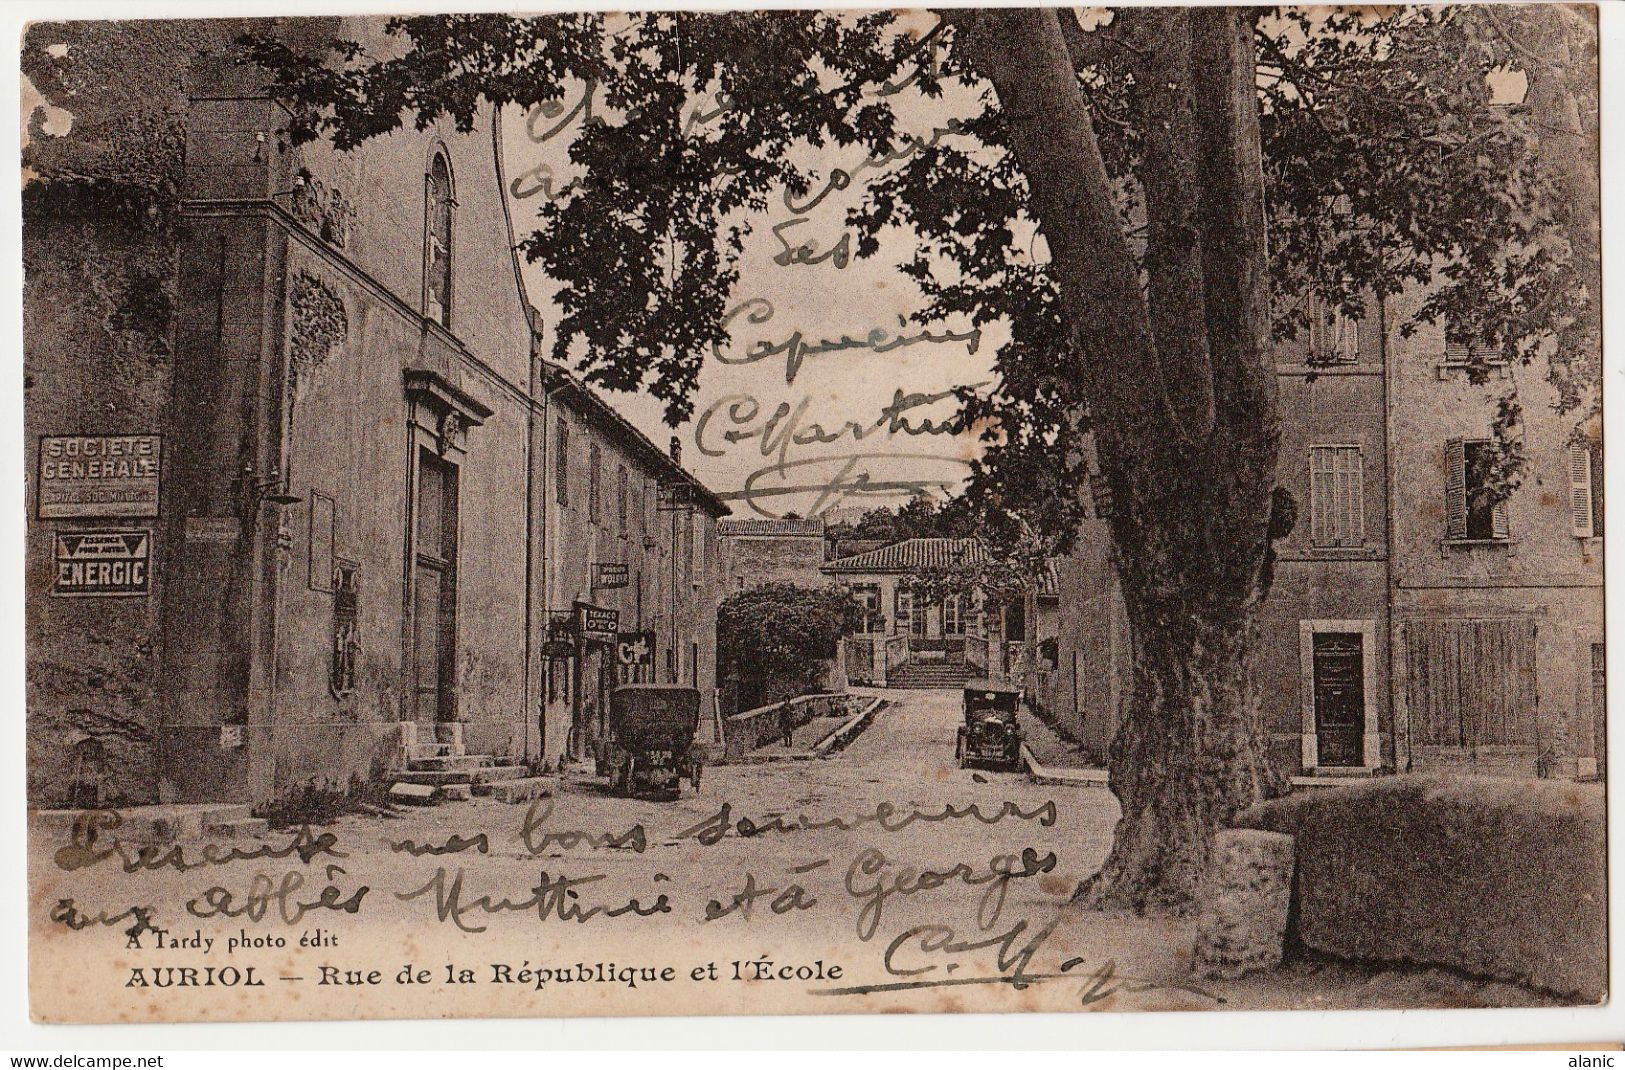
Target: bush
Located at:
point(777, 639)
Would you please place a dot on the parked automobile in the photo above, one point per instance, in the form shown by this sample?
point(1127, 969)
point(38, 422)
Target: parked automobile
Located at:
point(650, 749)
point(990, 736)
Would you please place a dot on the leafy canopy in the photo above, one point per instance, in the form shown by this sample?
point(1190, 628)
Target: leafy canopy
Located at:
point(1389, 162)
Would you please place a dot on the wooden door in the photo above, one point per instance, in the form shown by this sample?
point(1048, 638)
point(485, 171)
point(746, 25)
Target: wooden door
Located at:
point(1339, 683)
point(434, 610)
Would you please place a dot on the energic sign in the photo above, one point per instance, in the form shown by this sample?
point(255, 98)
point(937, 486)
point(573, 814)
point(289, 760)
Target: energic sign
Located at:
point(103, 563)
point(98, 475)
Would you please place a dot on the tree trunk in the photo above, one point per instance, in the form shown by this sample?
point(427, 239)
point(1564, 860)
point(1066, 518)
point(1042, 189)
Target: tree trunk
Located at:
point(1188, 756)
point(1181, 398)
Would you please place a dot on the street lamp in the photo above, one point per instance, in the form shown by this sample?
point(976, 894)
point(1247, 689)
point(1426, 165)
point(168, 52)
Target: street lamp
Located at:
point(273, 489)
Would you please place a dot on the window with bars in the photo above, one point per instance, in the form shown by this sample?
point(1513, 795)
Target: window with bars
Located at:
point(1336, 496)
point(1474, 510)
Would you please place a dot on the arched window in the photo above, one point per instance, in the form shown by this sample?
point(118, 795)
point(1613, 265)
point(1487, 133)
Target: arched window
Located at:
point(437, 242)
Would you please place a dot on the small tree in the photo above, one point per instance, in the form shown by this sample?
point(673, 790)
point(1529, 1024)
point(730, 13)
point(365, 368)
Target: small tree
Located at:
point(777, 639)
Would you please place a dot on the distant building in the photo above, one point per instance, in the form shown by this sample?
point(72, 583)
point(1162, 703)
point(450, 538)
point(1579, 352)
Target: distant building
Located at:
point(757, 551)
point(1412, 623)
point(909, 642)
point(631, 541)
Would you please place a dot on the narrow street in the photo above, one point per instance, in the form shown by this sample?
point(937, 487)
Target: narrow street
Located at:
point(885, 869)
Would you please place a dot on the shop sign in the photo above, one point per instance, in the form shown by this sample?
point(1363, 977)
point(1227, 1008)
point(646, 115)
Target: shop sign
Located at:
point(609, 575)
point(561, 635)
point(102, 564)
point(98, 475)
point(598, 625)
point(635, 648)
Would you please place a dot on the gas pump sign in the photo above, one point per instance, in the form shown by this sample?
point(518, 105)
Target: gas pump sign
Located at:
point(102, 564)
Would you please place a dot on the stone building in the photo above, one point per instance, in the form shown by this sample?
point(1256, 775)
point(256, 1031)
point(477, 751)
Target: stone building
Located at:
point(910, 641)
point(757, 551)
point(294, 454)
point(1413, 622)
point(634, 566)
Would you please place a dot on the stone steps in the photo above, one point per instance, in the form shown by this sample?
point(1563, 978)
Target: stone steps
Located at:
point(450, 763)
point(518, 789)
point(442, 777)
point(916, 675)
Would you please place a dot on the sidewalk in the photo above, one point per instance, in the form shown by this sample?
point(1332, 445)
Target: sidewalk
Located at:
point(1050, 759)
point(1048, 747)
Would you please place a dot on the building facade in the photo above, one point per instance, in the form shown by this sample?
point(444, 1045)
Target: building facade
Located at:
point(1414, 621)
point(913, 640)
point(294, 510)
point(758, 551)
point(634, 567)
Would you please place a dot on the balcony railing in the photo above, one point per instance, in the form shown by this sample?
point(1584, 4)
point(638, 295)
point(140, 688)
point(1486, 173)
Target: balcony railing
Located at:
point(967, 650)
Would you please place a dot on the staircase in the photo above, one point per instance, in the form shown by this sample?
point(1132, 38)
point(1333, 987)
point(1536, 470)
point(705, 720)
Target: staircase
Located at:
point(934, 674)
point(440, 772)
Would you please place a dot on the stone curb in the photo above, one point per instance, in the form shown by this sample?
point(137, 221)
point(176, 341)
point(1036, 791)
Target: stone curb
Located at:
point(1073, 776)
point(850, 730)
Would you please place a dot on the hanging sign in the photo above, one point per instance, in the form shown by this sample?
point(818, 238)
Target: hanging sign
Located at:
point(635, 648)
point(609, 575)
point(598, 625)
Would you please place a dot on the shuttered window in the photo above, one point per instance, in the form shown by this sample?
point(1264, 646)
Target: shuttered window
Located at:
point(1459, 351)
point(621, 495)
point(1580, 491)
point(1334, 337)
point(1470, 683)
point(561, 464)
point(595, 460)
point(1336, 496)
point(903, 609)
point(1472, 509)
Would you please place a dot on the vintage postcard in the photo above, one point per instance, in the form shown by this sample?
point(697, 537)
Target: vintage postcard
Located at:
point(829, 511)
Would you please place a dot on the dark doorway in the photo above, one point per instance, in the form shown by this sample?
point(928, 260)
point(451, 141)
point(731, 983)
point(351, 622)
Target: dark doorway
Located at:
point(1339, 697)
point(434, 613)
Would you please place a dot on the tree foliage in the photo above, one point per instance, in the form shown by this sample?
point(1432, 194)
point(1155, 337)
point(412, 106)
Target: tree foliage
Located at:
point(782, 631)
point(1142, 201)
point(1389, 163)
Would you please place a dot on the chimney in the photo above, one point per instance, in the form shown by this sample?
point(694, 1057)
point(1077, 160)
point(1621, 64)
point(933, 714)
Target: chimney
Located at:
point(676, 450)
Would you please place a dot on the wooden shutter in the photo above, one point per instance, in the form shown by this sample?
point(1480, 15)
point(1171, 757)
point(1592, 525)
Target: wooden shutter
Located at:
point(561, 464)
point(1370, 328)
point(1315, 309)
point(1498, 520)
point(1350, 496)
point(1455, 489)
point(1580, 491)
point(1319, 494)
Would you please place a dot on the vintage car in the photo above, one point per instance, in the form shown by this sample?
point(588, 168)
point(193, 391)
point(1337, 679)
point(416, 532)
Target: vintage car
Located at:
point(650, 748)
point(990, 736)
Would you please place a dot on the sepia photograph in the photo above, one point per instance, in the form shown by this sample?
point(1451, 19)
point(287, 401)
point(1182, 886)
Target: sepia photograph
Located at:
point(812, 512)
